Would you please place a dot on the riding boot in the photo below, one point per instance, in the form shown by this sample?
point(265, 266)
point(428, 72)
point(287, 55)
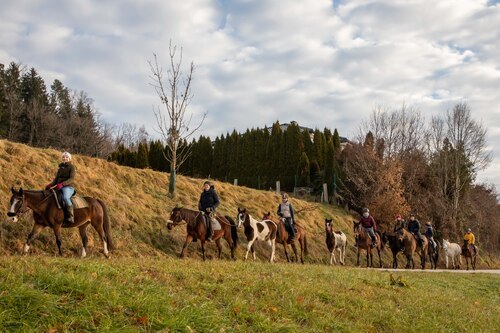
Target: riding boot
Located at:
point(209, 230)
point(69, 216)
point(374, 241)
point(292, 233)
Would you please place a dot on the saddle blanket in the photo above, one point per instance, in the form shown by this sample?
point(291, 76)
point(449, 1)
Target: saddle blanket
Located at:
point(76, 200)
point(216, 225)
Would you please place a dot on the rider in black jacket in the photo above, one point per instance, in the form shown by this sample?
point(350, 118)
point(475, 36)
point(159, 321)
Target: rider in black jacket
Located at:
point(209, 201)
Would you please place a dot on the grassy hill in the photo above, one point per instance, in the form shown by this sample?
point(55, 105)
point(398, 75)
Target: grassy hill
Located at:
point(139, 206)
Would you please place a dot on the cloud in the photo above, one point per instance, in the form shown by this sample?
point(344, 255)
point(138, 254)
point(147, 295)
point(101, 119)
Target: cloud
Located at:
point(321, 63)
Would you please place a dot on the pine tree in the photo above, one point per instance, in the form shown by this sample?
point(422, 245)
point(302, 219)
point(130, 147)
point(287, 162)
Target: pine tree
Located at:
point(303, 171)
point(142, 156)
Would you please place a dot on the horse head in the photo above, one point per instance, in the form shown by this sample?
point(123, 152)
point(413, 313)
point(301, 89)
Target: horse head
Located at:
point(357, 229)
point(445, 244)
point(175, 218)
point(17, 205)
point(328, 226)
point(267, 216)
point(242, 216)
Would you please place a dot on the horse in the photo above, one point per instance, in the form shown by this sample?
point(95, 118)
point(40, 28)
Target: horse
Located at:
point(335, 240)
point(46, 213)
point(395, 245)
point(364, 242)
point(197, 229)
point(266, 230)
point(452, 250)
point(411, 245)
point(433, 253)
point(284, 238)
point(468, 252)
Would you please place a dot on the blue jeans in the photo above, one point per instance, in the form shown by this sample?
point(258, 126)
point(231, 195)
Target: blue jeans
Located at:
point(371, 233)
point(67, 192)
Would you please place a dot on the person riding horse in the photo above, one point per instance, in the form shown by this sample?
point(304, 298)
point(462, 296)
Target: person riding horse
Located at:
point(399, 223)
point(368, 222)
point(209, 201)
point(429, 233)
point(414, 228)
point(285, 210)
point(64, 182)
point(469, 237)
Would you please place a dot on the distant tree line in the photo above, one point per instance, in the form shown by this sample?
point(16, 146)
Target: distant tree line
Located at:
point(257, 158)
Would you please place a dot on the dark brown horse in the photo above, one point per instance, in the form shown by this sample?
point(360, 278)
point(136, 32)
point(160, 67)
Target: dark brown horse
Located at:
point(411, 246)
point(46, 213)
point(395, 245)
point(364, 242)
point(468, 253)
point(284, 238)
point(197, 229)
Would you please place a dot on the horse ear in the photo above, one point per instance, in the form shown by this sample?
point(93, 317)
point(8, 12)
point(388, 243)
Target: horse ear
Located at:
point(12, 190)
point(21, 191)
point(268, 213)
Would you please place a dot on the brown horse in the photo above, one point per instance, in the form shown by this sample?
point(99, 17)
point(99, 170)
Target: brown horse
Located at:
point(468, 252)
point(411, 245)
point(364, 242)
point(395, 245)
point(197, 229)
point(46, 213)
point(284, 238)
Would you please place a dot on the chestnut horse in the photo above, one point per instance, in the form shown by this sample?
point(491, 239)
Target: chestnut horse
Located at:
point(411, 245)
point(335, 240)
point(46, 213)
point(197, 229)
point(468, 252)
point(284, 238)
point(364, 242)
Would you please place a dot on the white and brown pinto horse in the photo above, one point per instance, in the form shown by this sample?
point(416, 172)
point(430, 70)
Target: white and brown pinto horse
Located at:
point(257, 230)
point(335, 240)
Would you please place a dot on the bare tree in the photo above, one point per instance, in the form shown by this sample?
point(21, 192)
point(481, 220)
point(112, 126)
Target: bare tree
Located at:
point(172, 120)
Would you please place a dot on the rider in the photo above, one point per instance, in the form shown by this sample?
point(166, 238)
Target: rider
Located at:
point(64, 181)
point(285, 210)
point(469, 236)
point(399, 223)
point(368, 222)
point(414, 228)
point(429, 233)
point(209, 201)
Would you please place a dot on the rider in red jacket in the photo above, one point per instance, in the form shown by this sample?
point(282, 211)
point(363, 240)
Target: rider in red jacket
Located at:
point(368, 222)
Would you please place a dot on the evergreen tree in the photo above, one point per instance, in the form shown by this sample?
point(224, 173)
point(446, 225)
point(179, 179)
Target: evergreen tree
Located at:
point(319, 145)
point(303, 171)
point(142, 156)
point(275, 152)
point(293, 150)
point(155, 156)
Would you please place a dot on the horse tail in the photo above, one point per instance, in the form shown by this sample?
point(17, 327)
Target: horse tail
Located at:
point(234, 231)
point(107, 226)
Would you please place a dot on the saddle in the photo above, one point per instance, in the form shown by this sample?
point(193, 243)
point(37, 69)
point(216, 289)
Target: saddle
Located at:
point(212, 219)
point(76, 200)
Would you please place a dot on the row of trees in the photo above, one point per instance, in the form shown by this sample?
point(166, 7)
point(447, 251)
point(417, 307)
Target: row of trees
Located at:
point(401, 163)
point(257, 158)
point(59, 117)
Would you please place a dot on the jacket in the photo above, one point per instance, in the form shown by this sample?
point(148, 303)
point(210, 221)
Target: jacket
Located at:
point(414, 226)
point(208, 199)
point(65, 174)
point(470, 237)
point(368, 222)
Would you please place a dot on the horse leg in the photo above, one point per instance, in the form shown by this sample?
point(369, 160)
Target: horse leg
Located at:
point(332, 257)
point(273, 249)
point(446, 260)
point(202, 241)
point(37, 228)
point(286, 251)
point(342, 253)
point(188, 241)
point(295, 252)
point(219, 247)
point(57, 233)
point(85, 240)
point(379, 258)
point(358, 256)
point(98, 226)
point(249, 247)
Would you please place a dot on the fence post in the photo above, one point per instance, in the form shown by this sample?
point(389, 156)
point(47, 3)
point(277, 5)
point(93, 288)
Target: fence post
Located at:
point(278, 190)
point(235, 181)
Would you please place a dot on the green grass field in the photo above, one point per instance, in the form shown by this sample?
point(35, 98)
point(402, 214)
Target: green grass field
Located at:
point(46, 294)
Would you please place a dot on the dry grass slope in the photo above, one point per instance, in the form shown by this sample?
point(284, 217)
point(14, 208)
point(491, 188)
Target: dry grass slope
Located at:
point(138, 206)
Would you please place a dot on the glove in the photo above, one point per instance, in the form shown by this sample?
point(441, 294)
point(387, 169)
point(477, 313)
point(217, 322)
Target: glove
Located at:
point(48, 186)
point(209, 209)
point(59, 186)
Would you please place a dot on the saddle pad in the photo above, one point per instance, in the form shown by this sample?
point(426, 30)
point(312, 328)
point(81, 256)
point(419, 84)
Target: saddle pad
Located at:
point(79, 202)
point(216, 225)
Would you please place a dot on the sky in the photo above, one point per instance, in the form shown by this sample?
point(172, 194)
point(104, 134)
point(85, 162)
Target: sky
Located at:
point(321, 63)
